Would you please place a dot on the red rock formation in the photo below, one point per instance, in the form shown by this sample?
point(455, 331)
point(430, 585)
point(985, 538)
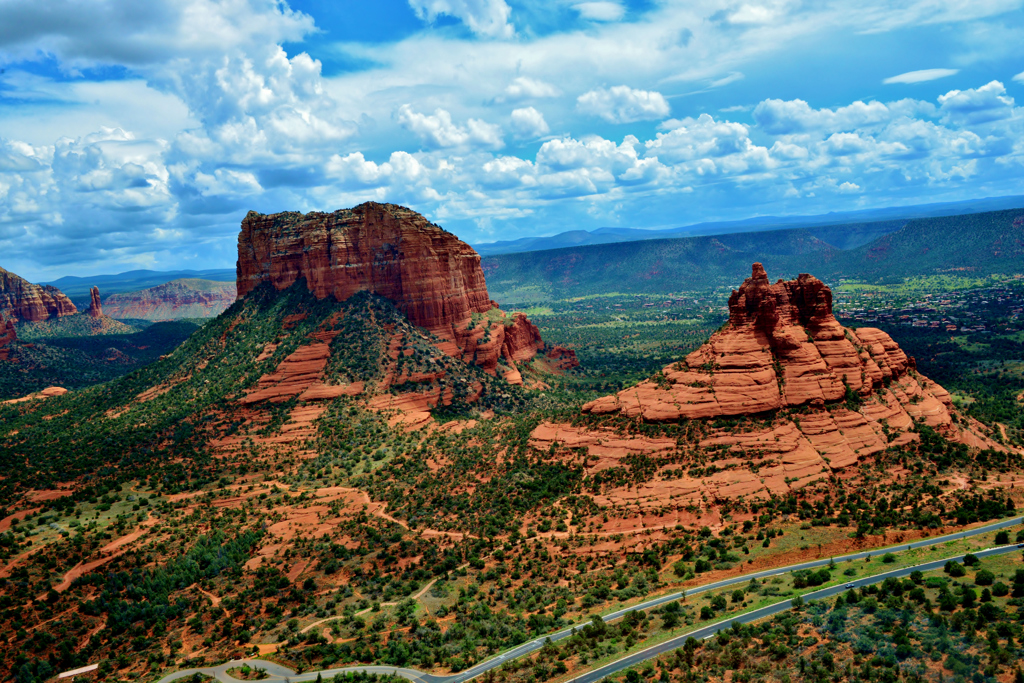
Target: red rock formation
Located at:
point(27, 302)
point(432, 276)
point(48, 392)
point(783, 347)
point(7, 335)
point(562, 358)
point(522, 339)
point(95, 307)
point(185, 298)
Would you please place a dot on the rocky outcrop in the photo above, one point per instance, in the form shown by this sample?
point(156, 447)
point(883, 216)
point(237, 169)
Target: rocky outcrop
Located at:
point(433, 277)
point(95, 307)
point(174, 300)
point(782, 347)
point(48, 392)
point(562, 358)
point(8, 334)
point(853, 394)
point(522, 339)
point(26, 302)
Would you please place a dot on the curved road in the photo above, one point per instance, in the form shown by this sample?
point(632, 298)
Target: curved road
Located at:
point(280, 673)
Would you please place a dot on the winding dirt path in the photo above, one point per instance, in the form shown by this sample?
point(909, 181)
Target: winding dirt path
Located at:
point(213, 598)
point(418, 595)
point(113, 550)
point(377, 510)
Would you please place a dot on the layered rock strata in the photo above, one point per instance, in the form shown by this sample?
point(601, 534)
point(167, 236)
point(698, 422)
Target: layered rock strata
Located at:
point(95, 306)
point(781, 347)
point(24, 301)
point(433, 277)
point(857, 392)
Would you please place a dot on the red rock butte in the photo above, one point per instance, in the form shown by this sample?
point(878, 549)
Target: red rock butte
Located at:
point(433, 277)
point(781, 347)
point(24, 301)
point(855, 393)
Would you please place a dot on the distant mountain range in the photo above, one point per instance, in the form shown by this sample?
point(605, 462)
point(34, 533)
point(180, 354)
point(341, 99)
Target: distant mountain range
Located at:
point(973, 245)
point(882, 220)
point(77, 288)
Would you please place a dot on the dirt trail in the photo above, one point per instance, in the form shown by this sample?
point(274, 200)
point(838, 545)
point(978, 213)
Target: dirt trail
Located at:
point(419, 594)
point(114, 549)
point(213, 598)
point(5, 523)
point(17, 560)
point(377, 510)
point(82, 569)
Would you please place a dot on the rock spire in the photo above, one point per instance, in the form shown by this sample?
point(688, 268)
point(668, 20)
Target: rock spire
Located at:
point(95, 306)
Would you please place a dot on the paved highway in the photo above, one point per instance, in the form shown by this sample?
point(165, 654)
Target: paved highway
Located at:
point(708, 631)
point(278, 673)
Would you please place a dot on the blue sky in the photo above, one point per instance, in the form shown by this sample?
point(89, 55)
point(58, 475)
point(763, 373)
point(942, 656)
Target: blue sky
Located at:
point(137, 135)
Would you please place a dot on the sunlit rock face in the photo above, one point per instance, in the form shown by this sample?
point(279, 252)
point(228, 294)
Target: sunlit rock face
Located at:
point(24, 301)
point(781, 347)
point(434, 278)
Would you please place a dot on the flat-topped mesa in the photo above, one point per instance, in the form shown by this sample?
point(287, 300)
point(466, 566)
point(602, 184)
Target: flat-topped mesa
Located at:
point(433, 277)
point(781, 347)
point(24, 301)
point(95, 307)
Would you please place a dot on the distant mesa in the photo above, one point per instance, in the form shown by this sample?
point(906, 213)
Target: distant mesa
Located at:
point(95, 307)
point(433, 277)
point(174, 300)
point(26, 302)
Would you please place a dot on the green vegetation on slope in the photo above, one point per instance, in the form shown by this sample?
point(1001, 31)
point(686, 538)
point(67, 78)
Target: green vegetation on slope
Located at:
point(76, 361)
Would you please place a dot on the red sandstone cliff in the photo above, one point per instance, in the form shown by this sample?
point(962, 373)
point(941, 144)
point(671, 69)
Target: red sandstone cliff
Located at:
point(434, 278)
point(95, 307)
point(27, 302)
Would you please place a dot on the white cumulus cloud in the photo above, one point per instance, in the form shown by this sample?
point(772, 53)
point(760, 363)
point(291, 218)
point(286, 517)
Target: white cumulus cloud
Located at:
point(438, 129)
point(525, 88)
point(977, 105)
point(529, 123)
point(622, 104)
point(785, 117)
point(600, 11)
